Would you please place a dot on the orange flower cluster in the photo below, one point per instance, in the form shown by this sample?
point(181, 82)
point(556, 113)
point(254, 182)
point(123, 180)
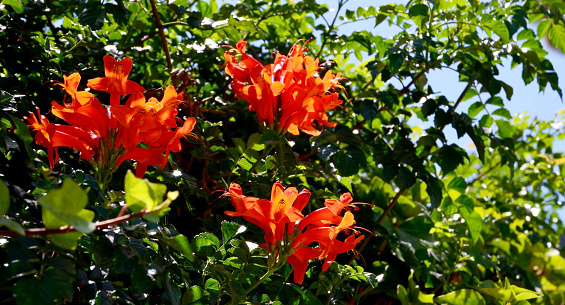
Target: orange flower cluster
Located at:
point(288, 93)
point(282, 220)
point(108, 135)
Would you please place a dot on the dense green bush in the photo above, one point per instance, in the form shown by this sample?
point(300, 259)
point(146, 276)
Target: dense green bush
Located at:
point(254, 125)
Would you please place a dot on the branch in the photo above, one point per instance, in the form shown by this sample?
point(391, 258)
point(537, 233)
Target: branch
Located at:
point(329, 29)
point(162, 34)
point(483, 174)
point(406, 88)
point(463, 94)
point(389, 207)
point(68, 229)
point(379, 221)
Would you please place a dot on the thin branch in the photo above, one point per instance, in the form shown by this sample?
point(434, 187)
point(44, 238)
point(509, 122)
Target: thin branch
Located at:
point(389, 207)
point(162, 34)
point(379, 221)
point(330, 29)
point(406, 88)
point(68, 229)
point(483, 174)
point(463, 94)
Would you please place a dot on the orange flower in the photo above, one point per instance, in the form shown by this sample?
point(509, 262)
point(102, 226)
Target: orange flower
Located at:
point(290, 233)
point(77, 98)
point(115, 82)
point(272, 215)
point(288, 92)
point(114, 133)
point(52, 136)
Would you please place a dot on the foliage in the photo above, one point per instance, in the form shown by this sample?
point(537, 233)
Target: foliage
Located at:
point(446, 223)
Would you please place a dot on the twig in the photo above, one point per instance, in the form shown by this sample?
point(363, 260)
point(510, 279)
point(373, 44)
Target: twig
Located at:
point(68, 229)
point(483, 174)
point(379, 221)
point(389, 207)
point(308, 154)
point(406, 88)
point(330, 29)
point(162, 34)
point(461, 96)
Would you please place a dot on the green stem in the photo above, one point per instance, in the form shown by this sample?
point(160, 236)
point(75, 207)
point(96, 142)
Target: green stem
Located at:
point(261, 280)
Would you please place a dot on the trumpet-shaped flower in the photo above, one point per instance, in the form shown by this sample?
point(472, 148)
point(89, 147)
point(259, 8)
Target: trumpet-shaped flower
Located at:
point(140, 130)
point(272, 216)
point(116, 82)
point(288, 93)
point(289, 234)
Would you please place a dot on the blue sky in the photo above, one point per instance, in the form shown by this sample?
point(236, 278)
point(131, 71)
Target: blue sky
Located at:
point(526, 98)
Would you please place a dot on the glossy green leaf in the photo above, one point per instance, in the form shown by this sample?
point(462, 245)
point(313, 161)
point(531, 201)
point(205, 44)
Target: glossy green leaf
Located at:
point(461, 297)
point(206, 243)
point(52, 288)
point(557, 36)
point(17, 5)
point(141, 194)
point(181, 244)
point(543, 27)
point(230, 229)
point(12, 225)
point(67, 204)
point(500, 29)
point(474, 223)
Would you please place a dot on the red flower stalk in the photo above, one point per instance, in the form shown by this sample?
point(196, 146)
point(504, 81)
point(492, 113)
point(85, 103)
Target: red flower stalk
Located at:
point(113, 133)
point(288, 93)
point(289, 234)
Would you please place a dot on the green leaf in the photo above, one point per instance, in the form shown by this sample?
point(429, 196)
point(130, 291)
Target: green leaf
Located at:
point(181, 244)
point(65, 240)
point(193, 294)
point(474, 222)
point(475, 108)
point(402, 295)
point(22, 131)
point(12, 225)
point(4, 198)
point(557, 36)
point(503, 112)
point(449, 157)
point(94, 15)
point(239, 144)
point(456, 187)
point(505, 130)
point(419, 14)
point(245, 164)
point(16, 5)
point(500, 29)
point(254, 142)
point(206, 243)
point(230, 229)
point(213, 286)
point(204, 8)
point(507, 89)
point(52, 287)
point(491, 289)
point(142, 194)
point(67, 204)
point(461, 297)
point(543, 27)
point(346, 164)
point(405, 178)
point(447, 206)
